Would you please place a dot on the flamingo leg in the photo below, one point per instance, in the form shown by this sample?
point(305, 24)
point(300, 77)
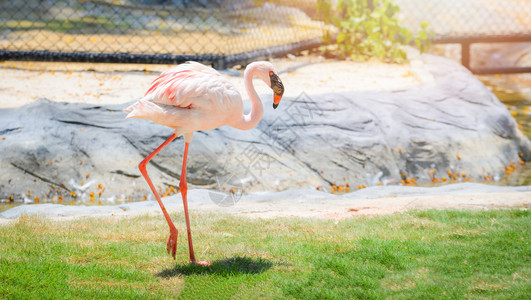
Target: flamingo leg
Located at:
point(172, 240)
point(183, 185)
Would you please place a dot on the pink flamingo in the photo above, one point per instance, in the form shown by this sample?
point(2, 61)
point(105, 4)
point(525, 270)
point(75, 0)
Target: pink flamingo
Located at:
point(192, 97)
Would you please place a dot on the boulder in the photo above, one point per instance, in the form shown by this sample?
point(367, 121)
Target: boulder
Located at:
point(448, 129)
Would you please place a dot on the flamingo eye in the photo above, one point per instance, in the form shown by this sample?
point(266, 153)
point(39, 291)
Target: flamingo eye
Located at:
point(271, 73)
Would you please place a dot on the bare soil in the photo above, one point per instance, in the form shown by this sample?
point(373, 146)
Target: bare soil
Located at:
point(332, 208)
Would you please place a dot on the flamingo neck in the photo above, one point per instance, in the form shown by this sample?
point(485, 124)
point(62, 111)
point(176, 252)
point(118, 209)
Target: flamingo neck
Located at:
point(250, 120)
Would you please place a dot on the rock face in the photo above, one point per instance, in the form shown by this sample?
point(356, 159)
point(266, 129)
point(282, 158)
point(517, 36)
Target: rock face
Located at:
point(450, 128)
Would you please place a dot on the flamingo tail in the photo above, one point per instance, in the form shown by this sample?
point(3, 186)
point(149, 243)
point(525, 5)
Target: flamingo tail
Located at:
point(147, 109)
point(143, 109)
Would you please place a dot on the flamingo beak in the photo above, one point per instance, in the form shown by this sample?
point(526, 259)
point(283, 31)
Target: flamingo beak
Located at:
point(276, 100)
point(278, 88)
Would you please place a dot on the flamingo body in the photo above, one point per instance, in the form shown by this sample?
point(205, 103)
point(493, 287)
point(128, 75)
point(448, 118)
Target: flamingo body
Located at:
point(188, 98)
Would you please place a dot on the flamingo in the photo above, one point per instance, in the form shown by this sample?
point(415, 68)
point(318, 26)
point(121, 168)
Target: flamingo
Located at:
point(192, 97)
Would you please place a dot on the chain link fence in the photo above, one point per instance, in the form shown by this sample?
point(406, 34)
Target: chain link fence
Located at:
point(467, 18)
point(485, 31)
point(215, 31)
point(168, 29)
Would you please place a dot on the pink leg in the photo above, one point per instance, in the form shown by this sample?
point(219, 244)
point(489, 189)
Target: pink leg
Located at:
point(183, 185)
point(172, 240)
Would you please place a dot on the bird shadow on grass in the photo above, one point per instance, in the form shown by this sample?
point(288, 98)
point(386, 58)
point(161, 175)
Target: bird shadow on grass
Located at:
point(228, 267)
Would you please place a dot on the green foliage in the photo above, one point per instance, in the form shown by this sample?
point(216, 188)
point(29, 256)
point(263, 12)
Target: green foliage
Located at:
point(370, 28)
point(415, 255)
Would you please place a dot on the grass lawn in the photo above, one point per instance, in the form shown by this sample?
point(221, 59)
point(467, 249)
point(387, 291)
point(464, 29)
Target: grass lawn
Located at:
point(426, 254)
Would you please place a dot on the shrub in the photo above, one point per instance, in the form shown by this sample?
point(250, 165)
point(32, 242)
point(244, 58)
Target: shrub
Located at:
point(370, 28)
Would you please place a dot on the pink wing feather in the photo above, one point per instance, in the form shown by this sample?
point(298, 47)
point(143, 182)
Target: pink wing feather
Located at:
point(180, 85)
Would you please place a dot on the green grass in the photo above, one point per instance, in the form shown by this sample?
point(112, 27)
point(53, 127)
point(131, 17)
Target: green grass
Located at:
point(427, 255)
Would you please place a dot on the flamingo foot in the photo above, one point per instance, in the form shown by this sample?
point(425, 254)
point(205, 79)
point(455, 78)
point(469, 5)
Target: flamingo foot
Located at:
point(171, 246)
point(202, 263)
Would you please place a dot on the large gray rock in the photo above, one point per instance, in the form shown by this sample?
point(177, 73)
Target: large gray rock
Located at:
point(452, 124)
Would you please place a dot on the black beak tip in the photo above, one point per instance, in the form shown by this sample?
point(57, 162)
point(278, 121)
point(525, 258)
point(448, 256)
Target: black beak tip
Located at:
point(275, 105)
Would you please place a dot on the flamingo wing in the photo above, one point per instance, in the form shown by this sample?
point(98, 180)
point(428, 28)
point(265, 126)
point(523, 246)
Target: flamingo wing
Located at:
point(189, 84)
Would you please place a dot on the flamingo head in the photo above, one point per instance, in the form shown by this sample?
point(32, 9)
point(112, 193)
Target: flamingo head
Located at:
point(277, 87)
point(266, 71)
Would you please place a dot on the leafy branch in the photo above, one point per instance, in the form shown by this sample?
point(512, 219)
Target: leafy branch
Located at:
point(370, 28)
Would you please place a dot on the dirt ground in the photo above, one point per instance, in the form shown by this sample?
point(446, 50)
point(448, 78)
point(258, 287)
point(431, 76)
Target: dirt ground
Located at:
point(25, 82)
point(304, 204)
point(343, 209)
point(156, 43)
